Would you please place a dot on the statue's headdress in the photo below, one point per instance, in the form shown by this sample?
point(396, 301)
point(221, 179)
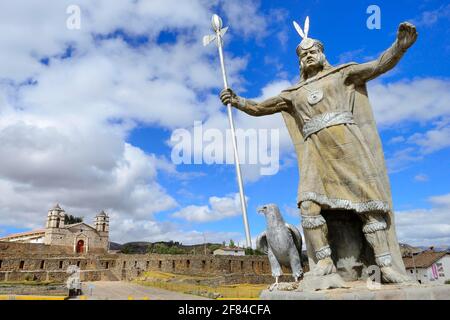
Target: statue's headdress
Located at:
point(306, 42)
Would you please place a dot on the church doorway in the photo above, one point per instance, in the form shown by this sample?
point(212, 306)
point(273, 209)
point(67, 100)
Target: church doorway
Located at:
point(80, 246)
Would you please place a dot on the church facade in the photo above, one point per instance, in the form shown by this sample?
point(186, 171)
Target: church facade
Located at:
point(78, 237)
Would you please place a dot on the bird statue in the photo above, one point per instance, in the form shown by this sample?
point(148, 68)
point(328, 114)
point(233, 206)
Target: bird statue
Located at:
point(282, 242)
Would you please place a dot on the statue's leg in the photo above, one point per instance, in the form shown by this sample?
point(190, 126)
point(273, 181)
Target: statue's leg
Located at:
point(374, 230)
point(316, 230)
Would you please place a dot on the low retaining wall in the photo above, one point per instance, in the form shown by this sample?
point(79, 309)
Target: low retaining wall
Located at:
point(23, 289)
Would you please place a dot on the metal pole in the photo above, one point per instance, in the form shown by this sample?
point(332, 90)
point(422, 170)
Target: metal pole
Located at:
point(236, 154)
point(219, 32)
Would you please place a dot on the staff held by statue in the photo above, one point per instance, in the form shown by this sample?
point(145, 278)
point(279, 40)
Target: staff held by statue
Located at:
point(216, 22)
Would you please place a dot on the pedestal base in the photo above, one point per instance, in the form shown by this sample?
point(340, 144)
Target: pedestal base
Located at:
point(359, 291)
point(312, 283)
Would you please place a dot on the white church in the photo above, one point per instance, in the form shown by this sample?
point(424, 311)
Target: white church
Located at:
point(79, 237)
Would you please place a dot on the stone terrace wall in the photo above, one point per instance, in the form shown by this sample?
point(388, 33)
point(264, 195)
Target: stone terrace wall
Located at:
point(130, 266)
point(29, 261)
point(11, 248)
point(21, 261)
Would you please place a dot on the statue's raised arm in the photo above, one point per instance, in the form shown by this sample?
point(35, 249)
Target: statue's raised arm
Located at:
point(253, 108)
point(406, 36)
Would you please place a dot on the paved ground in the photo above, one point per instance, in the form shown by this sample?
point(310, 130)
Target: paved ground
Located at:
point(120, 290)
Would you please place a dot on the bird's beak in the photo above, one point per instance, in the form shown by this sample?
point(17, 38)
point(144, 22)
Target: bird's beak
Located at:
point(260, 210)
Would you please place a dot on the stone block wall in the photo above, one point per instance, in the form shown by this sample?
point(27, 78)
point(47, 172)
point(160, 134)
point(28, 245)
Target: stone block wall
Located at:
point(16, 289)
point(130, 266)
point(21, 261)
point(12, 248)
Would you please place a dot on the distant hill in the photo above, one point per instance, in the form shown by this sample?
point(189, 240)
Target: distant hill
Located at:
point(173, 247)
point(407, 249)
point(115, 246)
point(436, 248)
point(169, 247)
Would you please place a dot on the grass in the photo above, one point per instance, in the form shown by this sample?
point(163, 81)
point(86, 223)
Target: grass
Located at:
point(447, 281)
point(175, 283)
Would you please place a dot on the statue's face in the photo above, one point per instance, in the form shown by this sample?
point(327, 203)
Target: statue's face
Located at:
point(311, 58)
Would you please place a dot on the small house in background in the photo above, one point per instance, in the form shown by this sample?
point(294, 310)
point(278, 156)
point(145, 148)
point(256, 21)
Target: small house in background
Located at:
point(429, 267)
point(227, 251)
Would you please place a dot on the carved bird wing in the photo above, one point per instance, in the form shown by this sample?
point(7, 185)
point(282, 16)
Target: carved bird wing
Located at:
point(261, 243)
point(296, 236)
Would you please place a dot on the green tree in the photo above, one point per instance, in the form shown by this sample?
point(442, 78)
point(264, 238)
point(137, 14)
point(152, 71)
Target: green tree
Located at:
point(253, 252)
point(249, 252)
point(232, 245)
point(160, 248)
point(70, 219)
point(213, 247)
point(175, 250)
point(125, 250)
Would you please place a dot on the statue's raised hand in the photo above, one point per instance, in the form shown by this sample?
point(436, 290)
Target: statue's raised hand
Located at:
point(406, 35)
point(228, 96)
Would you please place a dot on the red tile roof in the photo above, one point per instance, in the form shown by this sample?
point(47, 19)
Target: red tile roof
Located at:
point(23, 234)
point(424, 259)
point(232, 249)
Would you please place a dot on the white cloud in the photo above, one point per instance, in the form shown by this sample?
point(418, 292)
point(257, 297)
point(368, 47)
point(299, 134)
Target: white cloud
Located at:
point(64, 123)
point(402, 159)
point(432, 140)
point(218, 209)
point(418, 100)
point(426, 227)
point(243, 18)
point(128, 230)
point(431, 17)
point(397, 139)
point(349, 56)
point(421, 177)
point(442, 201)
point(129, 187)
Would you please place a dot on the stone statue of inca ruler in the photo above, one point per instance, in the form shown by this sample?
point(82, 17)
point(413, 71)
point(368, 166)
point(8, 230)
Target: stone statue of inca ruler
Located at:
point(282, 242)
point(340, 158)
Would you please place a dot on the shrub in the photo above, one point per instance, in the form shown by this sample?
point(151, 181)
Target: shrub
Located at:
point(253, 252)
point(30, 277)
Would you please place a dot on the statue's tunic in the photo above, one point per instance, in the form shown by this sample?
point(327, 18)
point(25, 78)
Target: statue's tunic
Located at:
point(338, 168)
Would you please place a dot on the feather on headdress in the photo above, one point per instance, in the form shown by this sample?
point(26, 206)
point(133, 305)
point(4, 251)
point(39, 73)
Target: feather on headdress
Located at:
point(306, 42)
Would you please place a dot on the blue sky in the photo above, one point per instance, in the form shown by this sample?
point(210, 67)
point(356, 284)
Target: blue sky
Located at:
point(86, 115)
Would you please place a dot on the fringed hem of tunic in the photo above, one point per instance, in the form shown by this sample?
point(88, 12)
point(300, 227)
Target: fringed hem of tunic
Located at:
point(360, 207)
